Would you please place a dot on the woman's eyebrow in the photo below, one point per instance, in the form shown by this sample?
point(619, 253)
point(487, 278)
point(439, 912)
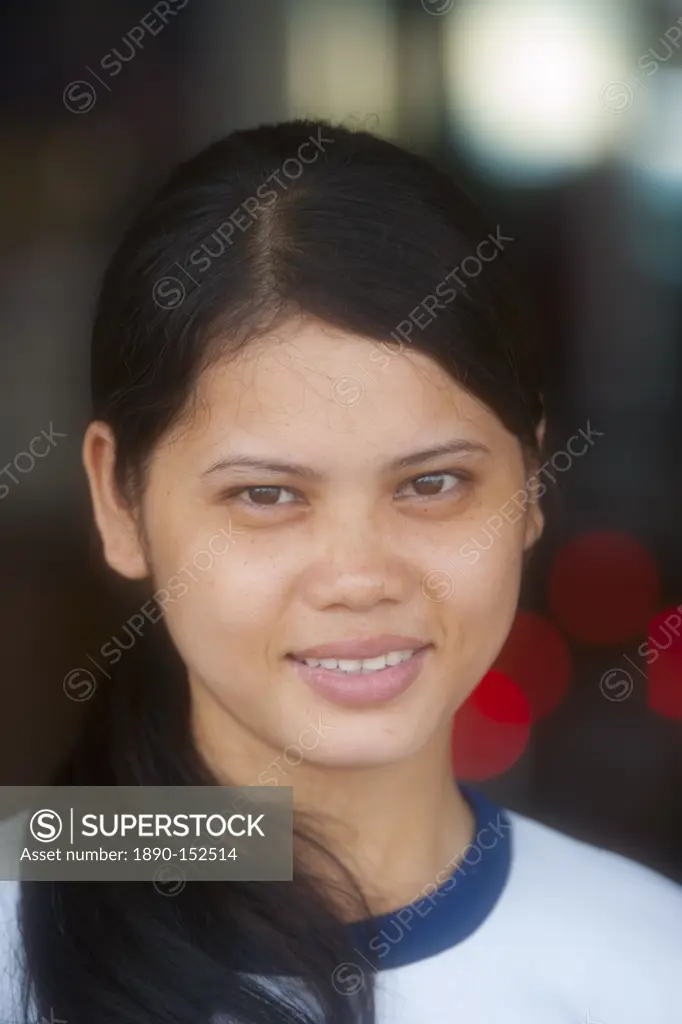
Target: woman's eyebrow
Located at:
point(458, 446)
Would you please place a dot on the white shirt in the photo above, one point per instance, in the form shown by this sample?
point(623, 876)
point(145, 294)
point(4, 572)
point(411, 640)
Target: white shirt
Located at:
point(533, 927)
point(577, 935)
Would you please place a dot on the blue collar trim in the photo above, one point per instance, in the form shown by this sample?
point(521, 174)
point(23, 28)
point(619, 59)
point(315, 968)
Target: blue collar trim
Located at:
point(453, 909)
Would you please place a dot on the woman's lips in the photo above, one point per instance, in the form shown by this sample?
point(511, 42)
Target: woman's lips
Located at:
point(362, 647)
point(360, 689)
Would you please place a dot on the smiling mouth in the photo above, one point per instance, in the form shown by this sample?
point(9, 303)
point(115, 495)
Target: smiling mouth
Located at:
point(362, 682)
point(360, 666)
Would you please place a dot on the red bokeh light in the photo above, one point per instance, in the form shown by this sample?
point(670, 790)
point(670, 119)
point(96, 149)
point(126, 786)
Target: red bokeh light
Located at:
point(491, 730)
point(663, 654)
point(603, 587)
point(536, 656)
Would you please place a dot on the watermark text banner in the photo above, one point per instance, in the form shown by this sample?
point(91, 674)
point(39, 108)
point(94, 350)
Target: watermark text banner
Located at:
point(143, 833)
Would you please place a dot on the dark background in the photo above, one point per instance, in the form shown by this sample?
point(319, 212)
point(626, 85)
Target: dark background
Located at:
point(565, 119)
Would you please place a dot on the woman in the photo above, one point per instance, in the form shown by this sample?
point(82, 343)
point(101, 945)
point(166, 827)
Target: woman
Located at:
point(311, 342)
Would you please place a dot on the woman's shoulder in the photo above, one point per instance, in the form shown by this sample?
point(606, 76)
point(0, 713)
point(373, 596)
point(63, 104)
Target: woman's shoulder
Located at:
point(9, 915)
point(590, 880)
point(10, 952)
point(11, 830)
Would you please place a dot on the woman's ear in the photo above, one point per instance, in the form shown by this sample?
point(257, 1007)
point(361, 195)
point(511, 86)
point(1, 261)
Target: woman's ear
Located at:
point(535, 519)
point(540, 433)
point(115, 519)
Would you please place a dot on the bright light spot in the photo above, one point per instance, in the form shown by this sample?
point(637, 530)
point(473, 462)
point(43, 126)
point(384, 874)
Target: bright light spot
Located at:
point(663, 653)
point(603, 587)
point(524, 83)
point(341, 63)
point(491, 730)
point(536, 657)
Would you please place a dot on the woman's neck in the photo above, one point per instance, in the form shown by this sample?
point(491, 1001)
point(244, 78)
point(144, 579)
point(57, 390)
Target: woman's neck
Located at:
point(400, 828)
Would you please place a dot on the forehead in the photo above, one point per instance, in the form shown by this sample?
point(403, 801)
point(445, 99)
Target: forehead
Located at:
point(324, 394)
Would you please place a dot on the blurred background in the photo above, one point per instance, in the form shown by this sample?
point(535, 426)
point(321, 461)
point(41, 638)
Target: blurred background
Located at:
point(565, 120)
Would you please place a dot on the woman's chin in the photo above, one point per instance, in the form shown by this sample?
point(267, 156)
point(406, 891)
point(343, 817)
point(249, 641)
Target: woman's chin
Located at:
point(351, 748)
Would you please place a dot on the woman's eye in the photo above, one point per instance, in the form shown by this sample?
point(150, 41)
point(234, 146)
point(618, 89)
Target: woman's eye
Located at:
point(430, 485)
point(264, 497)
point(433, 484)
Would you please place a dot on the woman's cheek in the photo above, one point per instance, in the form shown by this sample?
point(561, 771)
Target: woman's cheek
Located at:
point(483, 603)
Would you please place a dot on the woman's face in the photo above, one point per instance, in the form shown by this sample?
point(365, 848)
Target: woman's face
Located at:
point(366, 537)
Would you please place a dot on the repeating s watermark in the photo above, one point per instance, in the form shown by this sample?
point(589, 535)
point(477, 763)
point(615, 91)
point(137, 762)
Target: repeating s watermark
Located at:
point(349, 389)
point(24, 462)
point(618, 683)
point(45, 825)
point(169, 880)
point(349, 977)
point(618, 96)
point(169, 291)
point(438, 6)
point(80, 684)
point(80, 96)
point(369, 123)
point(439, 584)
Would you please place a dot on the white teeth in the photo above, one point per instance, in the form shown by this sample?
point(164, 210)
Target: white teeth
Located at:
point(361, 665)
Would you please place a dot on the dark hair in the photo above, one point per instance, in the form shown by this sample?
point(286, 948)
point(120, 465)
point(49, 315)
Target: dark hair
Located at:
point(300, 217)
